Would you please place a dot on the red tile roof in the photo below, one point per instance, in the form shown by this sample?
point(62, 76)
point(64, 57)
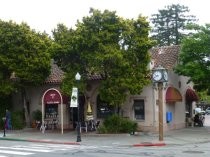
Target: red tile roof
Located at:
point(56, 75)
point(166, 56)
point(94, 77)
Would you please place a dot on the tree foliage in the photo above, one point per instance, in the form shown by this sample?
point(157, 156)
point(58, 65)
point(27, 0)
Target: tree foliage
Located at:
point(194, 59)
point(109, 46)
point(170, 24)
point(24, 53)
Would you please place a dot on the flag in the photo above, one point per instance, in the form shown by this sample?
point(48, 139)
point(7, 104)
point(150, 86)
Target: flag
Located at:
point(74, 98)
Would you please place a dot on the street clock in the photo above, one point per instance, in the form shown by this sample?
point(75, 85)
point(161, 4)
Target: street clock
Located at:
point(159, 74)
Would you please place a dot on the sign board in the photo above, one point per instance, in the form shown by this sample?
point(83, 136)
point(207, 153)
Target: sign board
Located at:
point(74, 98)
point(52, 97)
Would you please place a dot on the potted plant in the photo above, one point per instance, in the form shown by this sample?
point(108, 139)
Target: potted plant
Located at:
point(37, 117)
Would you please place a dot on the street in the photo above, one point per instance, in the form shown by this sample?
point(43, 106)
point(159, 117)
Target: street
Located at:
point(21, 148)
point(17, 149)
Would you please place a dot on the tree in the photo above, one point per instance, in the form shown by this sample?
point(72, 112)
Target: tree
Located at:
point(170, 23)
point(109, 46)
point(194, 59)
point(26, 54)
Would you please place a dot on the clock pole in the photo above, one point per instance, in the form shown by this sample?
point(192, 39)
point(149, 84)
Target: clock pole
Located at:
point(160, 104)
point(159, 76)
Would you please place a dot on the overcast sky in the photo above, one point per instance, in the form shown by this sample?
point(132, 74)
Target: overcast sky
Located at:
point(44, 15)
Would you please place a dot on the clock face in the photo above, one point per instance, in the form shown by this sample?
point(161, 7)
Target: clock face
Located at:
point(165, 76)
point(157, 76)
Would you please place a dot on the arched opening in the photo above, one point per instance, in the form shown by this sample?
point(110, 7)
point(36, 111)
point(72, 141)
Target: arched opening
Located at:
point(52, 102)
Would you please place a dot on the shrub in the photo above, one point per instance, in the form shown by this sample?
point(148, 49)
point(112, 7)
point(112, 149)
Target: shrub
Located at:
point(37, 115)
point(117, 124)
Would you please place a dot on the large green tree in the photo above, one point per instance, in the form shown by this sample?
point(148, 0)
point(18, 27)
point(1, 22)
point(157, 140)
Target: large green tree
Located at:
point(24, 54)
point(107, 45)
point(169, 24)
point(194, 59)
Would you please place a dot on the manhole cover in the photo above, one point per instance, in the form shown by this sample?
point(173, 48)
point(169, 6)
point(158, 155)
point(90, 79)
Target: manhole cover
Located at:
point(193, 152)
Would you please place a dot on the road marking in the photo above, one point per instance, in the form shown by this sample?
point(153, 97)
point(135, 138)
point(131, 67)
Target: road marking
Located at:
point(25, 148)
point(30, 149)
point(15, 152)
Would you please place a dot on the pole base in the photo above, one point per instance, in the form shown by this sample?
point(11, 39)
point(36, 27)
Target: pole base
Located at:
point(79, 139)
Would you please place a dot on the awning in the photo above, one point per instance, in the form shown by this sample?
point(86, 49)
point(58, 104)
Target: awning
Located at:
point(173, 95)
point(191, 95)
point(53, 97)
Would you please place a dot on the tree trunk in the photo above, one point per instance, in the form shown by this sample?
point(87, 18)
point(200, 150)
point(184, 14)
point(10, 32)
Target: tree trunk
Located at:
point(26, 112)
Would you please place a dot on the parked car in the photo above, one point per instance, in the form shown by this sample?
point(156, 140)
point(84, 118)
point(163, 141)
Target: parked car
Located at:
point(208, 110)
point(202, 112)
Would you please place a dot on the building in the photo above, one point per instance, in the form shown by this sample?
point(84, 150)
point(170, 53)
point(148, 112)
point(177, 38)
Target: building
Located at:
point(178, 98)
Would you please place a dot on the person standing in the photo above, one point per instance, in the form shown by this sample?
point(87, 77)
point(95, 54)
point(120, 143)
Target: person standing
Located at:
point(8, 123)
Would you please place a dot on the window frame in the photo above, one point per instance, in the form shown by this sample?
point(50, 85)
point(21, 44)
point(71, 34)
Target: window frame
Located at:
point(141, 112)
point(109, 110)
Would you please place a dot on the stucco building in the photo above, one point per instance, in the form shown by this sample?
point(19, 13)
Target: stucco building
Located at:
point(178, 98)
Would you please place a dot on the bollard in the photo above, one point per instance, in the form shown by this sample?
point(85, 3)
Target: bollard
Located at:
point(43, 127)
point(4, 122)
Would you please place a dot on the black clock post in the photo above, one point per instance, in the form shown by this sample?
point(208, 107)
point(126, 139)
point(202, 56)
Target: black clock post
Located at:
point(160, 76)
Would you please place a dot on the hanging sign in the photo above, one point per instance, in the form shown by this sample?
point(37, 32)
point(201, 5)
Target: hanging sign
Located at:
point(52, 97)
point(74, 99)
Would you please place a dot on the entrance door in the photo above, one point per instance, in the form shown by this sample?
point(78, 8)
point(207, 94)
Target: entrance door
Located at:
point(51, 116)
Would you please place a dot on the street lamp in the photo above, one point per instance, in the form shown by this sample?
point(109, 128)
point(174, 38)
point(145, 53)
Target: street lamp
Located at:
point(4, 122)
point(159, 77)
point(78, 77)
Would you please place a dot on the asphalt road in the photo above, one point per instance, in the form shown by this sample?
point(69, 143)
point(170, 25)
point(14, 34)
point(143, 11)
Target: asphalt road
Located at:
point(20, 149)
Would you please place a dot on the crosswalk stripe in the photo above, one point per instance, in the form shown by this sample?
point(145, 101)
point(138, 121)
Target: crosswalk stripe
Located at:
point(31, 149)
point(15, 152)
point(23, 148)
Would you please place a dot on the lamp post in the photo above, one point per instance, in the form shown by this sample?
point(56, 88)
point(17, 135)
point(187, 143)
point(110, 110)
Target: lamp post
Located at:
point(4, 122)
point(78, 77)
point(160, 76)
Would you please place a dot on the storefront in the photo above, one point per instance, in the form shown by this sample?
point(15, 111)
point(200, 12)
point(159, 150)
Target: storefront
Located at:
point(53, 109)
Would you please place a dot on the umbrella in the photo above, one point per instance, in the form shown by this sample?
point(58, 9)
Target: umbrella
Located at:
point(89, 115)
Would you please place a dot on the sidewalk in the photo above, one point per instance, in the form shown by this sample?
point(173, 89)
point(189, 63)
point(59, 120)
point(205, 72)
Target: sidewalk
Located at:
point(175, 137)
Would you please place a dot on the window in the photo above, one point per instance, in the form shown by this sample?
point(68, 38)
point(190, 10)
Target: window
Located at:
point(139, 112)
point(103, 108)
point(51, 111)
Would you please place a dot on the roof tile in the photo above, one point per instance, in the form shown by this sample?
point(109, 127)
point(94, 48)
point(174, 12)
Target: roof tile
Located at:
point(166, 56)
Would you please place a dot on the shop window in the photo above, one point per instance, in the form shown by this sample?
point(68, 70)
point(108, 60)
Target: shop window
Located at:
point(51, 111)
point(103, 108)
point(139, 111)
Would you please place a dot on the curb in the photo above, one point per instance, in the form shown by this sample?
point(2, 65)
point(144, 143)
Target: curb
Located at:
point(147, 144)
point(39, 141)
point(144, 144)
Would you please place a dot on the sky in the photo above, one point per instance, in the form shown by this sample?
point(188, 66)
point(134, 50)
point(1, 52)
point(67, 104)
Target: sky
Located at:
point(44, 15)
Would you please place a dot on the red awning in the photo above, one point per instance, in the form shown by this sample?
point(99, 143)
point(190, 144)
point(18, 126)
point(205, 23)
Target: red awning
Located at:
point(173, 95)
point(191, 95)
point(53, 97)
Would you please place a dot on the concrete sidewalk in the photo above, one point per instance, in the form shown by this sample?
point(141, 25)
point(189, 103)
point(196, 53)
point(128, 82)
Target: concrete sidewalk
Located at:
point(175, 137)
